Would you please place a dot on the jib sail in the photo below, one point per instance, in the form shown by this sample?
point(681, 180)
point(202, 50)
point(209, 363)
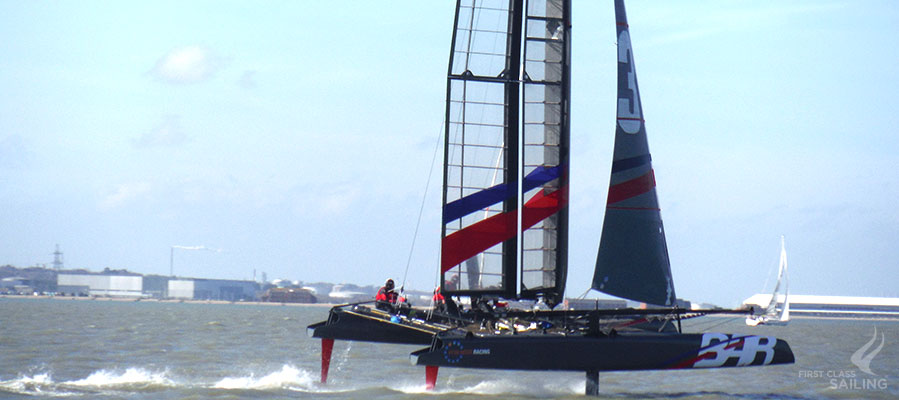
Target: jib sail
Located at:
point(633, 257)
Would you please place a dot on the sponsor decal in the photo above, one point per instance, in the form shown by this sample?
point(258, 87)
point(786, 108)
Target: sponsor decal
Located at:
point(719, 350)
point(455, 351)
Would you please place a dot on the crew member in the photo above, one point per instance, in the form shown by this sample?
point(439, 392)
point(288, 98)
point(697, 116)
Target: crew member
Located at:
point(452, 284)
point(386, 297)
point(439, 300)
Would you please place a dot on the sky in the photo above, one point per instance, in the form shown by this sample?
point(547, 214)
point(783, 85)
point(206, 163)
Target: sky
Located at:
point(296, 138)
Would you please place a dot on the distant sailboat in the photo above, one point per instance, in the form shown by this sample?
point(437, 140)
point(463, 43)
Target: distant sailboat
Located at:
point(773, 315)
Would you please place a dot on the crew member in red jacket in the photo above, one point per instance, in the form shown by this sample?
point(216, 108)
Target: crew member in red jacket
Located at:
point(386, 297)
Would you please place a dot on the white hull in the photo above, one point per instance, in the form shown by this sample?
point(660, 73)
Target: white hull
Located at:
point(765, 320)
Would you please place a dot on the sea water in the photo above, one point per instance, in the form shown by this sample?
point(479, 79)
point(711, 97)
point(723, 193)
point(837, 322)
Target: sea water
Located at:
point(53, 348)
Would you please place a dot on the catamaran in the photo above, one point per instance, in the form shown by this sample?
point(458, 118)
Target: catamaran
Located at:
point(505, 222)
point(775, 315)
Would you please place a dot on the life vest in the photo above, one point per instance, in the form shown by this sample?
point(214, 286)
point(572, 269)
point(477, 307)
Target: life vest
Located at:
point(386, 295)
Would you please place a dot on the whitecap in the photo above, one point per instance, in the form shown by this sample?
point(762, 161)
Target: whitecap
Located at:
point(130, 377)
point(38, 384)
point(289, 377)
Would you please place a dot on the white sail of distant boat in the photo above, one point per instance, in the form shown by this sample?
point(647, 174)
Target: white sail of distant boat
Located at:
point(773, 315)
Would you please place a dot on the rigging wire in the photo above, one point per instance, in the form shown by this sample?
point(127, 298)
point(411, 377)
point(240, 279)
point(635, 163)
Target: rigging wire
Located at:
point(584, 295)
point(421, 209)
point(705, 327)
point(726, 320)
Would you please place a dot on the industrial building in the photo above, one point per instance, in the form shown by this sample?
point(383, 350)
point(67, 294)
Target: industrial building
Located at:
point(154, 286)
point(16, 285)
point(87, 284)
point(594, 304)
point(834, 306)
point(288, 295)
point(212, 289)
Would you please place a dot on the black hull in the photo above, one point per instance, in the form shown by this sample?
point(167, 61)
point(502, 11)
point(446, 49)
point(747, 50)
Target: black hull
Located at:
point(367, 325)
point(623, 352)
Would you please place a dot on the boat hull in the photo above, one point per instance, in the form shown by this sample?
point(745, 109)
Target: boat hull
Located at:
point(756, 321)
point(619, 353)
point(367, 325)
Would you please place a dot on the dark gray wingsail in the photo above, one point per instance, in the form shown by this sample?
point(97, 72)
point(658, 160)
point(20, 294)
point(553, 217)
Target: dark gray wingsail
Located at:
point(633, 257)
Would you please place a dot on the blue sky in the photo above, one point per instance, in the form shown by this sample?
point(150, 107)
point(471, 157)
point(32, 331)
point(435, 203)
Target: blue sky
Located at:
point(297, 138)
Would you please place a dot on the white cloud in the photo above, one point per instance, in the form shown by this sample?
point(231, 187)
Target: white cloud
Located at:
point(247, 80)
point(338, 201)
point(124, 193)
point(167, 133)
point(325, 202)
point(186, 65)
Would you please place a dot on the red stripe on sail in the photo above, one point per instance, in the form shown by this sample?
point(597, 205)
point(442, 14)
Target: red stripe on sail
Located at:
point(482, 235)
point(541, 207)
point(632, 188)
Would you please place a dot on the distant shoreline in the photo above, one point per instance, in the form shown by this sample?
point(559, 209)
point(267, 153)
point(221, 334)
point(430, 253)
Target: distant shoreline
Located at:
point(166, 301)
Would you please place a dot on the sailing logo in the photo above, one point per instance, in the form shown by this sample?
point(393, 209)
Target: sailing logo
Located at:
point(849, 379)
point(862, 359)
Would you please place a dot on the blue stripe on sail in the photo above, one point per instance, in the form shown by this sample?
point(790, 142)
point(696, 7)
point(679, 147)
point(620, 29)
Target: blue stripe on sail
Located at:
point(476, 201)
point(495, 194)
point(539, 176)
point(628, 163)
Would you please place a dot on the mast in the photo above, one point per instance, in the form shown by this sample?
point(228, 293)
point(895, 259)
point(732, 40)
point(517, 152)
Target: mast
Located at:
point(546, 83)
point(633, 257)
point(510, 119)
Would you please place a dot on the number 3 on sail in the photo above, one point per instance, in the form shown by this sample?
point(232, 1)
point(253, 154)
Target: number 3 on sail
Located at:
point(630, 113)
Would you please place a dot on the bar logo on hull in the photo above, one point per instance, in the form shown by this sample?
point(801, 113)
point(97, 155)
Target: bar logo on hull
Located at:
point(720, 350)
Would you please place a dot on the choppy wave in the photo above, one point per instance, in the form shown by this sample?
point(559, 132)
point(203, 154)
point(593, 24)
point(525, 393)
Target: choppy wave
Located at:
point(131, 377)
point(289, 377)
point(136, 379)
point(538, 389)
point(37, 384)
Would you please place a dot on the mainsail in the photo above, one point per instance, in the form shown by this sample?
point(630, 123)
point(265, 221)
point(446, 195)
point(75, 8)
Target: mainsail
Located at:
point(506, 150)
point(773, 316)
point(633, 258)
point(782, 286)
